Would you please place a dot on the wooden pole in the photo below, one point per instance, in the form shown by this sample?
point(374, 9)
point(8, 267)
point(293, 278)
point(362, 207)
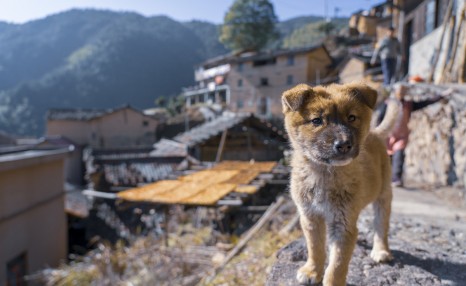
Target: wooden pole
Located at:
point(221, 146)
point(290, 225)
point(440, 43)
point(165, 219)
point(259, 224)
point(458, 35)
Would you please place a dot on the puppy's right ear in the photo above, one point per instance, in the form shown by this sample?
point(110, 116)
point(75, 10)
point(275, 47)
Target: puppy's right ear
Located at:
point(292, 99)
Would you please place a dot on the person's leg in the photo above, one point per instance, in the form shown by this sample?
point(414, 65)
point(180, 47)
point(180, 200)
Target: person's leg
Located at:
point(392, 69)
point(385, 72)
point(397, 167)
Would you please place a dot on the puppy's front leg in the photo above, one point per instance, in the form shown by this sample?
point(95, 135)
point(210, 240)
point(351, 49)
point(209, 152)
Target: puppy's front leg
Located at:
point(314, 232)
point(382, 208)
point(342, 239)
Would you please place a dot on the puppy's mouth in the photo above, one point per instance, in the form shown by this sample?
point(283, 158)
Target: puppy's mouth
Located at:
point(335, 160)
point(340, 162)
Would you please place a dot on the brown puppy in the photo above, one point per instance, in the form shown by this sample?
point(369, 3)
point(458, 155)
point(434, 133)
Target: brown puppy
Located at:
point(338, 167)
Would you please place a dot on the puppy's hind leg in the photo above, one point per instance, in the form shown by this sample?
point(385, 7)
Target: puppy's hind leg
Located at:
point(314, 231)
point(382, 209)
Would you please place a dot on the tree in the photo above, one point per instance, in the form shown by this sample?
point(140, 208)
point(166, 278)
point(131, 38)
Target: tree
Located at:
point(326, 27)
point(249, 25)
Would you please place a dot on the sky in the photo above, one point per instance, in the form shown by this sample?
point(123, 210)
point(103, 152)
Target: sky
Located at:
point(21, 11)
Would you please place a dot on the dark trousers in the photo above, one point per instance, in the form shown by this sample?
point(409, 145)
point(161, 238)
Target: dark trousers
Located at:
point(388, 70)
point(398, 160)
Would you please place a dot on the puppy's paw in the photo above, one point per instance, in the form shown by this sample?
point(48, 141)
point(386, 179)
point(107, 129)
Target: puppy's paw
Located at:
point(305, 276)
point(381, 255)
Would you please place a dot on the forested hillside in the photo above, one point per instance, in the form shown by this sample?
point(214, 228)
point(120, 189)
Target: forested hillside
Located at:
point(102, 59)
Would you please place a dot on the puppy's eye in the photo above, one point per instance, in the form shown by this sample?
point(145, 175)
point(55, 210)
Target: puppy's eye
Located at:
point(351, 118)
point(316, 121)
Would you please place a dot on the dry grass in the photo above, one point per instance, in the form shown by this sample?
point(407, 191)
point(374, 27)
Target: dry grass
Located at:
point(255, 261)
point(186, 259)
point(146, 262)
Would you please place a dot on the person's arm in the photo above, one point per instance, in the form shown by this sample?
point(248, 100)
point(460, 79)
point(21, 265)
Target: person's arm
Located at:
point(421, 104)
point(376, 52)
point(443, 96)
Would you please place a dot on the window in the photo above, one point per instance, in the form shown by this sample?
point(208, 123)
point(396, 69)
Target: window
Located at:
point(262, 106)
point(16, 270)
point(240, 83)
point(264, 62)
point(240, 67)
point(289, 79)
point(264, 81)
point(239, 104)
point(290, 60)
point(145, 123)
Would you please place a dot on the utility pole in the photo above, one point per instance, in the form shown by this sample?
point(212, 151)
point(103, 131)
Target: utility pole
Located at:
point(327, 19)
point(336, 10)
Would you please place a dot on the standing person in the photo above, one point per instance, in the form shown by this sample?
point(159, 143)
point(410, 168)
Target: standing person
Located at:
point(398, 139)
point(388, 49)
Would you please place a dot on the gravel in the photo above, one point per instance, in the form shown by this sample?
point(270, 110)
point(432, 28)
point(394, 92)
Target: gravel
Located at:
point(425, 254)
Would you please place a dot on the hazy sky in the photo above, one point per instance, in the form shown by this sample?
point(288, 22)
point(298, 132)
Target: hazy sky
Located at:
point(20, 11)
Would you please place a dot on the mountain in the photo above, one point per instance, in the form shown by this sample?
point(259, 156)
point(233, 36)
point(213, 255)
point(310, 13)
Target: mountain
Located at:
point(100, 59)
point(208, 33)
point(92, 59)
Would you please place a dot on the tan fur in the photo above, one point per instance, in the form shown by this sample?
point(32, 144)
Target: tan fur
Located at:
point(330, 191)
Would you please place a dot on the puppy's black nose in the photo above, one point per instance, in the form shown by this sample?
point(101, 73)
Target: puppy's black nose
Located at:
point(342, 147)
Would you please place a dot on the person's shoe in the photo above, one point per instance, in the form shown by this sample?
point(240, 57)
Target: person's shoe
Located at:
point(397, 183)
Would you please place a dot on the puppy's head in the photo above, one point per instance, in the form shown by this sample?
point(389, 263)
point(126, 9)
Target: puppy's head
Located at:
point(328, 124)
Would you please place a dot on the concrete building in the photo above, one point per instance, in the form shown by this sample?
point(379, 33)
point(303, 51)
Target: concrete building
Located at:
point(33, 224)
point(254, 81)
point(120, 127)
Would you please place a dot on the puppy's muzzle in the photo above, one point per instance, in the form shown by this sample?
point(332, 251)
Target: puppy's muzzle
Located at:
point(342, 147)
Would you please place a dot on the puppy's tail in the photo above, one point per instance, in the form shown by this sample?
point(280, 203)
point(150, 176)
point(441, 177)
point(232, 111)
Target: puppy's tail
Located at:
point(392, 116)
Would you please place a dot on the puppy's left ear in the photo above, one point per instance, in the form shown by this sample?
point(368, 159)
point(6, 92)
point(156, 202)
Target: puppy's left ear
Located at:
point(365, 94)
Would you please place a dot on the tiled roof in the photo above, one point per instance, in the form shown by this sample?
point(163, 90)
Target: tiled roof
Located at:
point(83, 114)
point(215, 127)
point(133, 174)
point(251, 56)
point(207, 130)
point(75, 114)
point(166, 147)
point(130, 167)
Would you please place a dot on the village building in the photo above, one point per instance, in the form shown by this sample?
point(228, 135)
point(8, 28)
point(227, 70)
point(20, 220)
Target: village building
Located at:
point(113, 170)
point(429, 32)
point(433, 35)
point(119, 127)
point(254, 81)
point(355, 68)
point(6, 139)
point(32, 213)
point(232, 136)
